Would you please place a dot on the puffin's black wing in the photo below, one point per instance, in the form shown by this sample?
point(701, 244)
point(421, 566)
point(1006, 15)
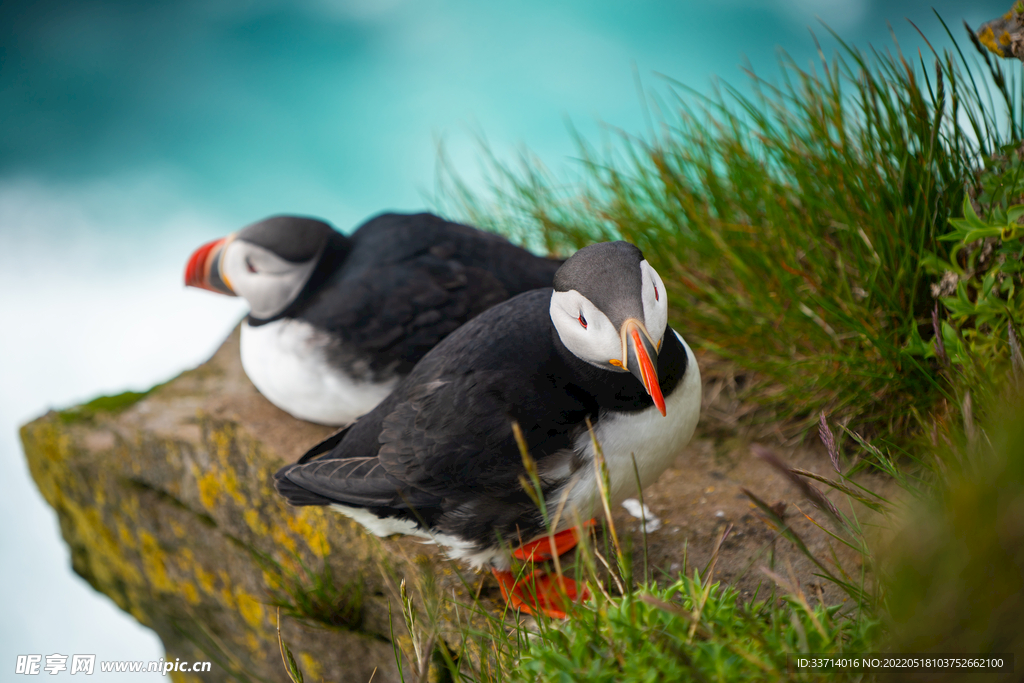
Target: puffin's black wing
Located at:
point(452, 432)
point(446, 431)
point(421, 458)
point(393, 238)
point(354, 481)
point(396, 313)
point(453, 437)
point(411, 280)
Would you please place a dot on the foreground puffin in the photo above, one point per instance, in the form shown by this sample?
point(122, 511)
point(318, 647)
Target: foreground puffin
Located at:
point(336, 321)
point(438, 459)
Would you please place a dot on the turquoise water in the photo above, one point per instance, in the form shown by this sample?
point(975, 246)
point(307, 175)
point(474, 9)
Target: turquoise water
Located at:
point(334, 108)
point(131, 132)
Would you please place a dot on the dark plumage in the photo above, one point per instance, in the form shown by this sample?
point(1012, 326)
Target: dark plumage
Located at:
point(401, 283)
point(440, 450)
point(335, 321)
point(437, 457)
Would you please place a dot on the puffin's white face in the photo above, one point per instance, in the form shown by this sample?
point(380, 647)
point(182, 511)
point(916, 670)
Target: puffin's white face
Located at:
point(590, 334)
point(268, 282)
point(655, 303)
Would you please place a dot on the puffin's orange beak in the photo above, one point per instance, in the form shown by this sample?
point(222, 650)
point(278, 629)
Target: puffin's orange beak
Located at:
point(203, 269)
point(640, 355)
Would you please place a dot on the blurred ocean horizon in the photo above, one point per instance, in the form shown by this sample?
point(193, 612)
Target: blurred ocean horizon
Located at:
point(133, 132)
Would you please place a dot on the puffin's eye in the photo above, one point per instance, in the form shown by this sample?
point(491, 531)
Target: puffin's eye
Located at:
point(656, 292)
point(248, 264)
point(583, 321)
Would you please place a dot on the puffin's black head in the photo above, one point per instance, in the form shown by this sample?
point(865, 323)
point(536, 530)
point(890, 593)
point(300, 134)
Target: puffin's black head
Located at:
point(292, 238)
point(610, 310)
point(268, 263)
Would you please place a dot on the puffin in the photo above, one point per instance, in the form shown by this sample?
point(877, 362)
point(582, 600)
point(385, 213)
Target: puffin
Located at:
point(336, 321)
point(439, 457)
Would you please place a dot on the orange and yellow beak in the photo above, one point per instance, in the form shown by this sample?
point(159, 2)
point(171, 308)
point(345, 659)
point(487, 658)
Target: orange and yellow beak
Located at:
point(203, 269)
point(640, 356)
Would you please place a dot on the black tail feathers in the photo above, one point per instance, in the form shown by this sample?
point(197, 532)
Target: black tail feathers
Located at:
point(295, 494)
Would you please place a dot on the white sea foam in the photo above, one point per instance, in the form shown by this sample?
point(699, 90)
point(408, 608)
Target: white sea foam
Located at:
point(91, 302)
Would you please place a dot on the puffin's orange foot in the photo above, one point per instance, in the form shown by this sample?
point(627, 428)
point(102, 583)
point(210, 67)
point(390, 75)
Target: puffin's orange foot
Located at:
point(540, 550)
point(540, 591)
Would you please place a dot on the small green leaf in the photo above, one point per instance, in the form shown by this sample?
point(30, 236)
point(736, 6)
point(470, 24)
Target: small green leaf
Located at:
point(916, 346)
point(960, 228)
point(293, 668)
point(986, 284)
point(931, 263)
point(954, 346)
point(1014, 213)
point(972, 217)
point(981, 233)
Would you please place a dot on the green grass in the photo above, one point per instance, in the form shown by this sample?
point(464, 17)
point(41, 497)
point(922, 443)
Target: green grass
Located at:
point(311, 594)
point(690, 631)
point(791, 227)
point(104, 404)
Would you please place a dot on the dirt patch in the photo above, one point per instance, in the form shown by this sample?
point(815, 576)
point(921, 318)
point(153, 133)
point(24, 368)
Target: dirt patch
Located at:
point(702, 495)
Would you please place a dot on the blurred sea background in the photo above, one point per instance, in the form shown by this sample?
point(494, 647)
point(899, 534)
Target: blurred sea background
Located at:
point(133, 132)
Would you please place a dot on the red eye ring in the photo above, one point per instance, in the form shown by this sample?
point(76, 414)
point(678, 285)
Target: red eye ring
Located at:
point(252, 269)
point(656, 298)
point(583, 321)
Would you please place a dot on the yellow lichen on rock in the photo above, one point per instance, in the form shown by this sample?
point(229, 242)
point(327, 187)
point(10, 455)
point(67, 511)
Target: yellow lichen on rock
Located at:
point(181, 527)
point(311, 666)
point(250, 608)
point(154, 563)
point(310, 524)
point(256, 525)
point(219, 478)
point(205, 580)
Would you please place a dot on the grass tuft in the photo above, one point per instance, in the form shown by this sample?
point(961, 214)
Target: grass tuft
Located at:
point(312, 595)
point(954, 574)
point(799, 221)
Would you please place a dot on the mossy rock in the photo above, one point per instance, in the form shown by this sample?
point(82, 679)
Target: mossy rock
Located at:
point(166, 500)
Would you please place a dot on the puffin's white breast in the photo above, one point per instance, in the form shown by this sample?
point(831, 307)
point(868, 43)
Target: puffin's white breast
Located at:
point(653, 439)
point(286, 360)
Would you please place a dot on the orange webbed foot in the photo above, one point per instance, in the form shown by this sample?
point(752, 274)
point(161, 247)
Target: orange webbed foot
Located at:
point(541, 591)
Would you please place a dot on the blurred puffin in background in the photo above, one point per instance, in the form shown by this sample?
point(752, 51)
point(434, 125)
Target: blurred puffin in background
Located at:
point(438, 457)
point(335, 321)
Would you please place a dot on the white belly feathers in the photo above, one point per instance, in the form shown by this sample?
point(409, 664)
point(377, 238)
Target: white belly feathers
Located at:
point(286, 361)
point(654, 440)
